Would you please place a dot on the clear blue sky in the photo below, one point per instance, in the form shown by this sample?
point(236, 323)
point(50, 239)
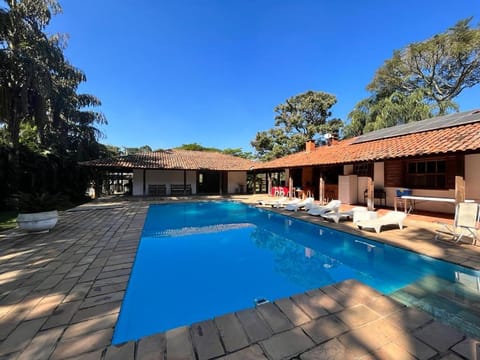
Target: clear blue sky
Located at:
point(211, 71)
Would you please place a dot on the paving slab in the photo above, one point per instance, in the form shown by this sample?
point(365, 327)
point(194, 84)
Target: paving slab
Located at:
point(468, 348)
point(206, 340)
point(439, 336)
point(389, 329)
point(357, 315)
point(392, 351)
point(287, 344)
point(231, 331)
point(102, 299)
point(254, 325)
point(325, 328)
point(179, 344)
point(90, 342)
point(96, 311)
point(62, 315)
point(272, 315)
point(45, 307)
point(330, 350)
point(42, 344)
point(311, 306)
point(152, 347)
point(415, 347)
point(95, 324)
point(21, 337)
point(325, 301)
point(124, 351)
point(253, 352)
point(296, 315)
point(410, 318)
point(364, 340)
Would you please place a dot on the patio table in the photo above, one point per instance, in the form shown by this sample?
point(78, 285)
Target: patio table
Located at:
point(408, 201)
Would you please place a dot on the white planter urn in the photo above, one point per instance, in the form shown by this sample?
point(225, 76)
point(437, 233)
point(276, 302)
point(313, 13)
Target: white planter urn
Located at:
point(37, 222)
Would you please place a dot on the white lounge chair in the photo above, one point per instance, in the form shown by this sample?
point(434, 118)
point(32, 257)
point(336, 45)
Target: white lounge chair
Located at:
point(318, 210)
point(342, 215)
point(390, 218)
point(273, 201)
point(466, 222)
point(280, 204)
point(304, 203)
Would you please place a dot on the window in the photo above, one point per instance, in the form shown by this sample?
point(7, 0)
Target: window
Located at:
point(427, 174)
point(363, 169)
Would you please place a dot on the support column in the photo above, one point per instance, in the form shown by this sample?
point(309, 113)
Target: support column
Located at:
point(184, 182)
point(223, 178)
point(269, 183)
point(370, 200)
point(321, 190)
point(459, 189)
point(291, 192)
point(144, 181)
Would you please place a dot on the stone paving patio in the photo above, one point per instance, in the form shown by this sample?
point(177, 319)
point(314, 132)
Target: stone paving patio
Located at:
point(61, 294)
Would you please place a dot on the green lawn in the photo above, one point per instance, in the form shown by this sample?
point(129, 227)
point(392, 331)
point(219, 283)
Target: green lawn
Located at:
point(7, 220)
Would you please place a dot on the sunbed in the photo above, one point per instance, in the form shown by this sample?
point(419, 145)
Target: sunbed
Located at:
point(390, 218)
point(318, 210)
point(466, 222)
point(304, 203)
point(342, 215)
point(272, 201)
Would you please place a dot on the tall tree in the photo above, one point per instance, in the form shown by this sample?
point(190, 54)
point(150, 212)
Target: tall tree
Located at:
point(302, 117)
point(37, 84)
point(238, 152)
point(39, 102)
point(197, 147)
point(134, 150)
point(442, 66)
point(25, 54)
point(372, 114)
point(420, 80)
point(229, 151)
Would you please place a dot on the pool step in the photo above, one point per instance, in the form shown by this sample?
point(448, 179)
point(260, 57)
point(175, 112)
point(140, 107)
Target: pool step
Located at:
point(454, 303)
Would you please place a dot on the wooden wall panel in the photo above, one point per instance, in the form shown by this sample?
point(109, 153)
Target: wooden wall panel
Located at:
point(394, 173)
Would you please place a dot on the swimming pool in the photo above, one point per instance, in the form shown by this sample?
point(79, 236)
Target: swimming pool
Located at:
point(199, 260)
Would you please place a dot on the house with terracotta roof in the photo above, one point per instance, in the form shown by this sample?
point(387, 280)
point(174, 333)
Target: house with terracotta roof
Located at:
point(436, 158)
point(179, 172)
point(433, 158)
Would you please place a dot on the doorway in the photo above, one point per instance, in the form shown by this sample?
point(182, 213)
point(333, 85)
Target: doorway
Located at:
point(208, 182)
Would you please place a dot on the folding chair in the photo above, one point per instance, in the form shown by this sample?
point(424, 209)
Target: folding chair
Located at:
point(466, 222)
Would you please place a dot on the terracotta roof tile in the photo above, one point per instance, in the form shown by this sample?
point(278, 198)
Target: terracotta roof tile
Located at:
point(175, 160)
point(461, 138)
point(446, 140)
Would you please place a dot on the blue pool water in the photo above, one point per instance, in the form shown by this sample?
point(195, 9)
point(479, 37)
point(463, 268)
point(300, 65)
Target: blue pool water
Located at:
point(200, 260)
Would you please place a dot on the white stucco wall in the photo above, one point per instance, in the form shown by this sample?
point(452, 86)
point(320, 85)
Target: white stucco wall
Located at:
point(236, 178)
point(362, 185)
point(472, 177)
point(162, 177)
point(137, 182)
point(167, 177)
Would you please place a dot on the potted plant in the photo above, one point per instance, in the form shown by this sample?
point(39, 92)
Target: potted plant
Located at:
point(38, 211)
